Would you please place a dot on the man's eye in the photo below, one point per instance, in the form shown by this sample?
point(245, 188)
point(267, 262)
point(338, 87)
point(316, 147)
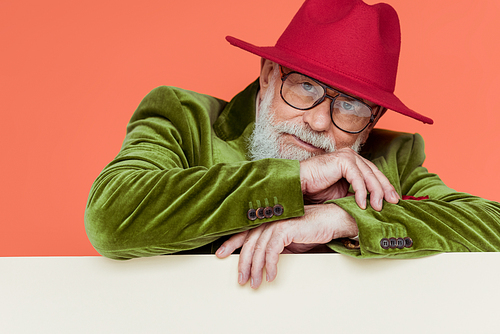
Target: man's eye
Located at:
point(348, 106)
point(307, 86)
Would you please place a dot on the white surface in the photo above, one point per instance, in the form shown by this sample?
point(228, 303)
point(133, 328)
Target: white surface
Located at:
point(332, 293)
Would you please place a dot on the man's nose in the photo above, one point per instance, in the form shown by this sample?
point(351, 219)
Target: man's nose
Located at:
point(318, 117)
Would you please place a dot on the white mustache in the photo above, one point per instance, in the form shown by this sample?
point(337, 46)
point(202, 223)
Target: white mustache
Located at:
point(304, 133)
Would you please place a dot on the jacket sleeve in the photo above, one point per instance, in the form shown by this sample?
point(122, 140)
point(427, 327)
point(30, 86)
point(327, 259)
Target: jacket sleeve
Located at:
point(448, 221)
point(165, 192)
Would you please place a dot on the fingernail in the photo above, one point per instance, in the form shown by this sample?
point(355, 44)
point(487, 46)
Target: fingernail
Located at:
point(395, 195)
point(363, 204)
point(380, 203)
point(220, 250)
point(267, 277)
point(240, 278)
point(251, 282)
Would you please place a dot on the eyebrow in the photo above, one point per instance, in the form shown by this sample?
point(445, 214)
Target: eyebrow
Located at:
point(370, 103)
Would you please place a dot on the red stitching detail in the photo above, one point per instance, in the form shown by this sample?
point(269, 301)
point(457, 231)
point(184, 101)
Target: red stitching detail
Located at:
point(415, 198)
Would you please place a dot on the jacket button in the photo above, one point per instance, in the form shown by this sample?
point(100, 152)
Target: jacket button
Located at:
point(408, 242)
point(384, 243)
point(278, 210)
point(350, 244)
point(400, 243)
point(260, 213)
point(268, 212)
point(251, 214)
point(393, 242)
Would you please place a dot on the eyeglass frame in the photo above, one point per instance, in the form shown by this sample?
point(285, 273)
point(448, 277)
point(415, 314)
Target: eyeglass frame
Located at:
point(320, 100)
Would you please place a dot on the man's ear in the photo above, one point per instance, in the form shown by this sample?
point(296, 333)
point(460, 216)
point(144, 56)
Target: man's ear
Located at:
point(266, 72)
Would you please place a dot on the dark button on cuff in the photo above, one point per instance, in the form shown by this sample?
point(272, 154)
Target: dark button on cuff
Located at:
point(393, 242)
point(268, 212)
point(408, 242)
point(400, 243)
point(260, 213)
point(278, 210)
point(384, 243)
point(251, 214)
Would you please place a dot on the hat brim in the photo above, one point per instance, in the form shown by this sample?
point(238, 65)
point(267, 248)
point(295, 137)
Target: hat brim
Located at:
point(330, 76)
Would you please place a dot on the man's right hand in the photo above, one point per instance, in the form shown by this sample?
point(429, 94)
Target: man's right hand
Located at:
point(323, 178)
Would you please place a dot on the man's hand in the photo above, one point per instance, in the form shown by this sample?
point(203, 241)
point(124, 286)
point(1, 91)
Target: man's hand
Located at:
point(324, 178)
point(261, 246)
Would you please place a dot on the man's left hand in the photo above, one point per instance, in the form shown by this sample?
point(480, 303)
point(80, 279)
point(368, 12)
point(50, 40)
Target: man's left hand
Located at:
point(261, 246)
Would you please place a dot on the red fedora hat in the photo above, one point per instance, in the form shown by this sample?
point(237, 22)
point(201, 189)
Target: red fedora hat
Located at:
point(346, 44)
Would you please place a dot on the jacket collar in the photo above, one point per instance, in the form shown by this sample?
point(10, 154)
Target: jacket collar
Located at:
point(237, 114)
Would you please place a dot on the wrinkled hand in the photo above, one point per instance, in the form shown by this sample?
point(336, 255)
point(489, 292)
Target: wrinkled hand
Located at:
point(328, 176)
point(261, 246)
point(339, 189)
point(295, 248)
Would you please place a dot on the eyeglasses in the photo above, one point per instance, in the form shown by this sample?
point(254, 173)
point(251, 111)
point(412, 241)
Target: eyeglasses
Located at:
point(303, 93)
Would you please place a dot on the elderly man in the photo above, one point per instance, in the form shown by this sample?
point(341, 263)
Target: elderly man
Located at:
point(288, 164)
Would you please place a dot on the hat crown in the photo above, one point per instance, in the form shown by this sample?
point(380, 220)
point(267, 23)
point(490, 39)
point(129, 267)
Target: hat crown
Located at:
point(334, 11)
point(346, 44)
point(359, 40)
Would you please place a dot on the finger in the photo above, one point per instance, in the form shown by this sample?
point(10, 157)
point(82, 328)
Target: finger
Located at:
point(231, 244)
point(275, 246)
point(259, 256)
point(373, 184)
point(390, 193)
point(354, 176)
point(246, 254)
point(346, 163)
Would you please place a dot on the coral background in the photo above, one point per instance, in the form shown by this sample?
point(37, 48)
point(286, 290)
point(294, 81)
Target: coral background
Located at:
point(72, 74)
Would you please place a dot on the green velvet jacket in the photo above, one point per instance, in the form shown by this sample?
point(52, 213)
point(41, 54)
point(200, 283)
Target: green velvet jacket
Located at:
point(182, 181)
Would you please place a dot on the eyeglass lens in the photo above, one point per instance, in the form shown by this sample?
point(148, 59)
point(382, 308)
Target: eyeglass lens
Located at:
point(302, 92)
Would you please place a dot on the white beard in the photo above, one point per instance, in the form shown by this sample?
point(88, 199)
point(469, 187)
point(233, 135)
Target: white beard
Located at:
point(267, 140)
